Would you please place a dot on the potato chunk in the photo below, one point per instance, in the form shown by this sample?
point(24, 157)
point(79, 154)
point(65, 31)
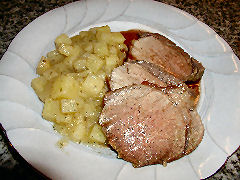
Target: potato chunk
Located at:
point(100, 48)
point(65, 87)
point(63, 39)
point(118, 37)
point(65, 49)
point(68, 105)
point(43, 65)
point(71, 105)
point(42, 87)
point(112, 61)
point(80, 131)
point(94, 63)
point(97, 134)
point(51, 111)
point(39, 83)
point(93, 85)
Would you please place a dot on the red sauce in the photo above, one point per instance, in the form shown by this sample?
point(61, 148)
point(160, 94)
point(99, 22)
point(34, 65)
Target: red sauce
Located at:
point(130, 35)
point(194, 90)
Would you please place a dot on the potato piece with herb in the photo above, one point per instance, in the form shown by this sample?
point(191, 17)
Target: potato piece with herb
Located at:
point(80, 65)
point(42, 87)
point(94, 63)
point(79, 132)
point(71, 105)
point(50, 74)
point(93, 85)
point(65, 87)
point(43, 65)
point(97, 134)
point(112, 61)
point(51, 111)
point(55, 57)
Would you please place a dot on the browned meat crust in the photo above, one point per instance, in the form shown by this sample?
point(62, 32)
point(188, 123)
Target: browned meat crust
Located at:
point(159, 50)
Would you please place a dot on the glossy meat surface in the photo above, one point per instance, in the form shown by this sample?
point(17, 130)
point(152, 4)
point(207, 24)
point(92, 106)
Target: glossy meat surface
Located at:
point(159, 50)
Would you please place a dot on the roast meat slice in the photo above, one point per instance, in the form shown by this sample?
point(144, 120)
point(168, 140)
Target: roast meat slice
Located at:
point(143, 125)
point(141, 72)
point(136, 72)
point(159, 50)
point(195, 129)
point(160, 73)
point(132, 73)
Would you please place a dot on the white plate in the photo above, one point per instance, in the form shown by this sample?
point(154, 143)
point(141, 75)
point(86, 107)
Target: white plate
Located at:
point(33, 137)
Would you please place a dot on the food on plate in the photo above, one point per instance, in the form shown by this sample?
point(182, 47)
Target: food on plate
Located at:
point(72, 81)
point(150, 115)
point(134, 91)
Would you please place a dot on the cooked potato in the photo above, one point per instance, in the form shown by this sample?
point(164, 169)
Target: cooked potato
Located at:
point(100, 48)
point(112, 61)
point(55, 57)
point(72, 81)
point(97, 134)
point(74, 54)
point(65, 87)
point(68, 105)
point(80, 65)
point(51, 112)
point(43, 65)
point(65, 49)
point(80, 132)
point(63, 39)
point(50, 74)
point(117, 38)
point(39, 83)
point(93, 85)
point(94, 63)
point(41, 87)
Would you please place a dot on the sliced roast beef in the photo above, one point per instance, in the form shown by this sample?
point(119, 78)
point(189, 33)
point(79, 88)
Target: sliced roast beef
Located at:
point(150, 115)
point(130, 74)
point(140, 72)
point(160, 73)
point(159, 50)
point(143, 125)
point(136, 72)
point(195, 128)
